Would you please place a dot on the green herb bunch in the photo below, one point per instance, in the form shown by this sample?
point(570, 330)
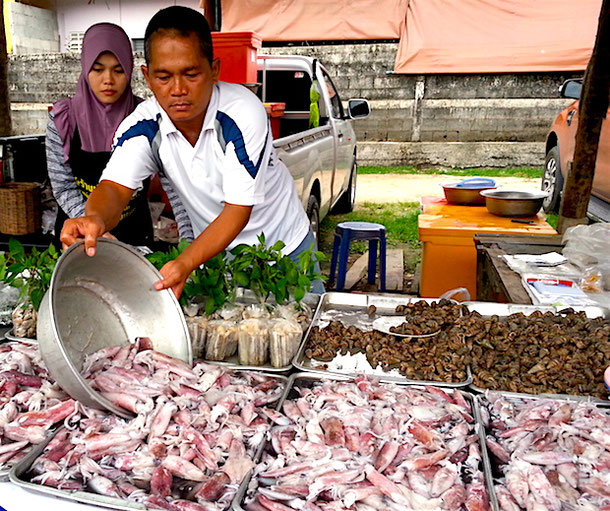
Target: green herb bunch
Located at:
point(266, 271)
point(30, 273)
point(262, 269)
point(160, 259)
point(212, 280)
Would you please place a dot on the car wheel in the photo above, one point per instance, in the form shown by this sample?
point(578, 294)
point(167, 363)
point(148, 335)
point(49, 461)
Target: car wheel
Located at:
point(347, 201)
point(313, 213)
point(552, 181)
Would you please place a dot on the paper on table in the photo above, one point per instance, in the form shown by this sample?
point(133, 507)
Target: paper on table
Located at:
point(558, 290)
point(548, 290)
point(548, 259)
point(522, 267)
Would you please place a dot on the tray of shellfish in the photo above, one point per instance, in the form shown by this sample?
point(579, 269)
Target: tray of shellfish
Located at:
point(338, 442)
point(196, 435)
point(399, 339)
point(537, 349)
point(249, 335)
point(545, 452)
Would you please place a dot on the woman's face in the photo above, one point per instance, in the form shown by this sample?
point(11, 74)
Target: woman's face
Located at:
point(107, 78)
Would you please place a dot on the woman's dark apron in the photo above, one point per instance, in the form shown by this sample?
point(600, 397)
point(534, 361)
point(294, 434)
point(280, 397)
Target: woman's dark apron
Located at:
point(135, 226)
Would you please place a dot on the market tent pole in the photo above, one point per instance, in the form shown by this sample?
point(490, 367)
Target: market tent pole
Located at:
point(5, 109)
point(592, 111)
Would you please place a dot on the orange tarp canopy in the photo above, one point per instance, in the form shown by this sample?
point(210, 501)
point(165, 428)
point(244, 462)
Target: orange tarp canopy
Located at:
point(436, 36)
point(315, 20)
point(489, 36)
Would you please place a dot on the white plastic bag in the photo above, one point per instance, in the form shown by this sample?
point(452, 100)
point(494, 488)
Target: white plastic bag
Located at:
point(221, 342)
point(285, 339)
point(9, 298)
point(197, 326)
point(461, 291)
point(256, 311)
point(253, 337)
point(587, 245)
point(231, 312)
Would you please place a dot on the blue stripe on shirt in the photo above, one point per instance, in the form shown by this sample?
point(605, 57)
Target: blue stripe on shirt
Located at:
point(146, 127)
point(231, 133)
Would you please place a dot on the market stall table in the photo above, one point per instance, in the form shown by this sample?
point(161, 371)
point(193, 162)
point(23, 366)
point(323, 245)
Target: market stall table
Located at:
point(496, 282)
point(449, 256)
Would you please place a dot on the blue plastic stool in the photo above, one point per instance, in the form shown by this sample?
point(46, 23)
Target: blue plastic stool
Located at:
point(344, 234)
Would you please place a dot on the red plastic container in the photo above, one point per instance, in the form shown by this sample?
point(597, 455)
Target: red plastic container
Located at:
point(275, 111)
point(237, 53)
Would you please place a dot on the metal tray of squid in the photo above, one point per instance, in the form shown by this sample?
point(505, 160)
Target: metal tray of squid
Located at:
point(478, 405)
point(19, 473)
point(352, 310)
point(502, 310)
point(4, 472)
point(247, 297)
point(309, 379)
point(9, 336)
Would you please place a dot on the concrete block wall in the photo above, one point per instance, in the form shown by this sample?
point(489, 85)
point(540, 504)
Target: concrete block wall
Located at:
point(33, 30)
point(37, 81)
point(439, 108)
point(411, 114)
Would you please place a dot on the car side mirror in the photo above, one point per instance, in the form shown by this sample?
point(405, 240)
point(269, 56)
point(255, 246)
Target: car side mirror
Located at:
point(358, 108)
point(571, 88)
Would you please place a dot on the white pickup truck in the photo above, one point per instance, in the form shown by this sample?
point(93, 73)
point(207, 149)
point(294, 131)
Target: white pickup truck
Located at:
point(321, 155)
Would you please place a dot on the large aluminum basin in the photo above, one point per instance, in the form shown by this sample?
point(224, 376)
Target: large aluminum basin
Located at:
point(100, 301)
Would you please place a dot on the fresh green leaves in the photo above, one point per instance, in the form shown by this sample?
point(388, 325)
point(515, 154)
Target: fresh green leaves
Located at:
point(262, 269)
point(30, 273)
point(267, 272)
point(159, 259)
point(212, 281)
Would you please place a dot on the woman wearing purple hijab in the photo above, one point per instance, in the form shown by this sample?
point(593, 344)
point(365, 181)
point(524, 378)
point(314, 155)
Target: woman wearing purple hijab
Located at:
point(81, 129)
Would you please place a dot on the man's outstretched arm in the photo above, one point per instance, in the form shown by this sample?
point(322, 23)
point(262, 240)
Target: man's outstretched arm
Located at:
point(213, 240)
point(102, 214)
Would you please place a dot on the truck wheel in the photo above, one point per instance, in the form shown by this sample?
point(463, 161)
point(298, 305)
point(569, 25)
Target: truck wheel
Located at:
point(552, 181)
point(346, 203)
point(313, 213)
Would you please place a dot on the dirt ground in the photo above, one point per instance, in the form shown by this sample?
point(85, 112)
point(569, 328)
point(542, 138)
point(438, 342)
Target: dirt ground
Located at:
point(384, 188)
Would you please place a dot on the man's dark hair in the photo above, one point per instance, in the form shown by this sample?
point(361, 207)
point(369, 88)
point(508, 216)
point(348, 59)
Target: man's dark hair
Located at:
point(183, 21)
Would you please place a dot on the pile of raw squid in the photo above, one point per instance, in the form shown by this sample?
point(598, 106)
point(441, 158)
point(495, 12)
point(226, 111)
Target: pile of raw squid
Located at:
point(189, 445)
point(548, 454)
point(30, 403)
point(366, 446)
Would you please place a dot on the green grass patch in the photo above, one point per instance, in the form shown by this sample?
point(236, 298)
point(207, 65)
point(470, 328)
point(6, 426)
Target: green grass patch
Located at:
point(530, 172)
point(399, 219)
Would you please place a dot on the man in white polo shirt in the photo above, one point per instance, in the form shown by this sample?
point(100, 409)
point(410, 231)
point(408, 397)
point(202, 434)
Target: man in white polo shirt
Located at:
point(211, 140)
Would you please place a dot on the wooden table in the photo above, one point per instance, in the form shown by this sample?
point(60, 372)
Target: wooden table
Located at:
point(496, 282)
point(449, 256)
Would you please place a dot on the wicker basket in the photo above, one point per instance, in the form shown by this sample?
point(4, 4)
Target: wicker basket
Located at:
point(19, 208)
